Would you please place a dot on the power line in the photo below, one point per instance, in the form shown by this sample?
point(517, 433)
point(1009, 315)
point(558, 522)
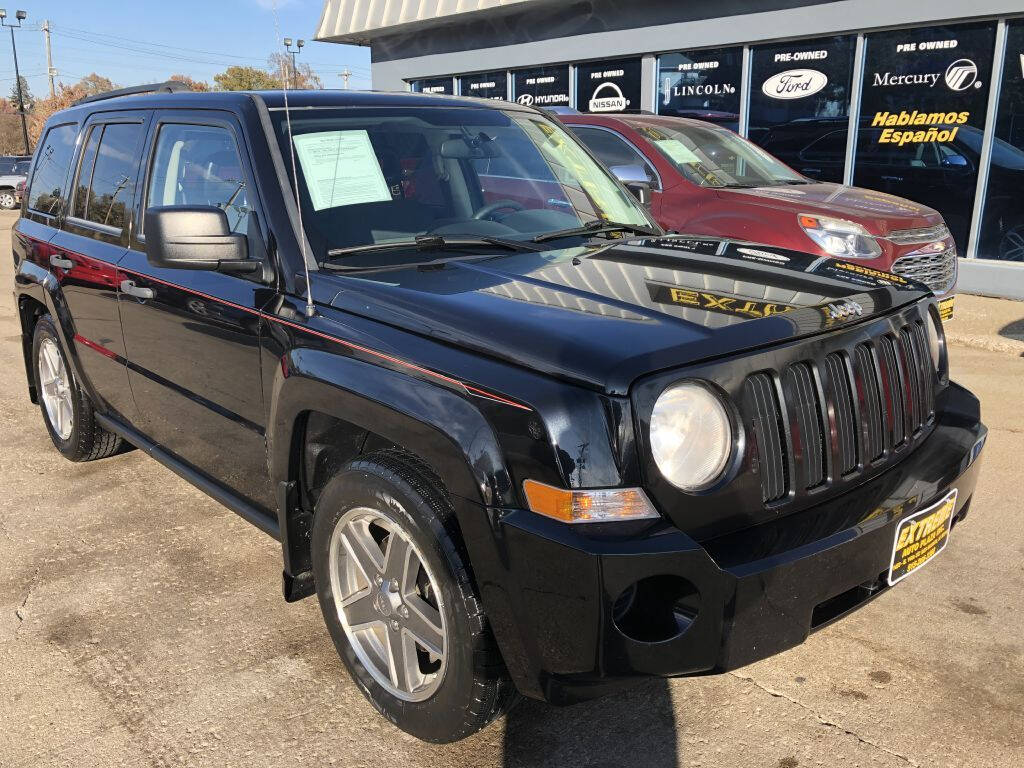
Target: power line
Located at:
point(172, 52)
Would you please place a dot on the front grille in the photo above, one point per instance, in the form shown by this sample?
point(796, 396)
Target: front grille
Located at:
point(822, 420)
point(936, 270)
point(922, 235)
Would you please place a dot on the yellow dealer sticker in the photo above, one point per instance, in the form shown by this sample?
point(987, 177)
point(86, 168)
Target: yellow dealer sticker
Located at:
point(921, 537)
point(946, 308)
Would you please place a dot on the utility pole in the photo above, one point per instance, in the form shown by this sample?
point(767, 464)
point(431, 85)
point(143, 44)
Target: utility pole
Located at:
point(20, 16)
point(50, 69)
point(345, 75)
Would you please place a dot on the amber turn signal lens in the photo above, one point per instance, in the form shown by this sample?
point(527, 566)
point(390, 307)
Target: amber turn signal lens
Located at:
point(808, 221)
point(593, 506)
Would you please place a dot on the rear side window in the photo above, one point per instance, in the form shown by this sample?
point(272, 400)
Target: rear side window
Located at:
point(112, 180)
point(199, 165)
point(52, 162)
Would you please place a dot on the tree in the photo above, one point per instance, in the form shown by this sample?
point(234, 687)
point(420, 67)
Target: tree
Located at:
point(195, 85)
point(90, 85)
point(26, 95)
point(304, 76)
point(11, 142)
point(238, 78)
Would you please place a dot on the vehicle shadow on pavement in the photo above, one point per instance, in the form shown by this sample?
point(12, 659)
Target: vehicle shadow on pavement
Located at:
point(627, 730)
point(1013, 330)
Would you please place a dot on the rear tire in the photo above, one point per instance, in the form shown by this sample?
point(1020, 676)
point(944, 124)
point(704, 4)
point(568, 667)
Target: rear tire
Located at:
point(67, 412)
point(391, 498)
point(8, 201)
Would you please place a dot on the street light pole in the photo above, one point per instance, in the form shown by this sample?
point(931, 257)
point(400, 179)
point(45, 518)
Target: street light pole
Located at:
point(20, 16)
point(292, 54)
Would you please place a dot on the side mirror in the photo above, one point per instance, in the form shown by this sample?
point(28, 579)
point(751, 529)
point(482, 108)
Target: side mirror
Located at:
point(195, 237)
point(954, 161)
point(635, 179)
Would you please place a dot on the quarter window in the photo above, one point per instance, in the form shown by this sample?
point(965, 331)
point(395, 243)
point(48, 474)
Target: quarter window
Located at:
point(52, 163)
point(199, 165)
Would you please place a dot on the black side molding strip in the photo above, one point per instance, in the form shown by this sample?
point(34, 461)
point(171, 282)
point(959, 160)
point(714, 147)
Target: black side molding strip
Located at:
point(210, 487)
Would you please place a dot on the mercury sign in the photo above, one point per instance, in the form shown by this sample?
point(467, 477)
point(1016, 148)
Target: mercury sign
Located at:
point(794, 84)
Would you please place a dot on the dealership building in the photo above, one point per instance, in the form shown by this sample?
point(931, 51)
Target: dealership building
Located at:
point(919, 98)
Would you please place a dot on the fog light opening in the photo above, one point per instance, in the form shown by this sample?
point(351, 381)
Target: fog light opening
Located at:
point(656, 609)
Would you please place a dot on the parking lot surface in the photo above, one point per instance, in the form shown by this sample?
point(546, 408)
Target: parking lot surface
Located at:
point(141, 624)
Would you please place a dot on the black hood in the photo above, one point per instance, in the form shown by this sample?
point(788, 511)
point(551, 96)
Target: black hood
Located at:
point(603, 316)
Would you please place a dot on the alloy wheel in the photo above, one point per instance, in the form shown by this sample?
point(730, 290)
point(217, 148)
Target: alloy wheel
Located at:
point(388, 604)
point(55, 384)
point(7, 201)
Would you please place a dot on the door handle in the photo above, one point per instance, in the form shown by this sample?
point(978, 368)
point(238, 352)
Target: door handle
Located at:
point(61, 262)
point(892, 178)
point(129, 287)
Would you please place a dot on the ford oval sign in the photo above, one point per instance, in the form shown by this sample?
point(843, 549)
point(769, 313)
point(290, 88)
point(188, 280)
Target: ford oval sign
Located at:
point(794, 84)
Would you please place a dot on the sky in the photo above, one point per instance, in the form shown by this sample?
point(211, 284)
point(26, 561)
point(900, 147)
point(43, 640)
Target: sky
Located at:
point(145, 41)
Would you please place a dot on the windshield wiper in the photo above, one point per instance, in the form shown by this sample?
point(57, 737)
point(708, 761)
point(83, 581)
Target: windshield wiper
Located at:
point(595, 227)
point(432, 243)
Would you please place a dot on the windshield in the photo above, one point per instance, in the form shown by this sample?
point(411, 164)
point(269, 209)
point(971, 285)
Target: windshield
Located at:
point(715, 157)
point(390, 175)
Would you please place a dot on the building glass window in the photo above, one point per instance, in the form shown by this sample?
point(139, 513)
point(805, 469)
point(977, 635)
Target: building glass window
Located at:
point(542, 86)
point(608, 86)
point(800, 97)
point(701, 84)
point(487, 85)
point(1002, 223)
point(922, 117)
point(443, 85)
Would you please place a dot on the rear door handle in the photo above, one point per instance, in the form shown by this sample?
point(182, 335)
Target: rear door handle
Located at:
point(61, 262)
point(129, 287)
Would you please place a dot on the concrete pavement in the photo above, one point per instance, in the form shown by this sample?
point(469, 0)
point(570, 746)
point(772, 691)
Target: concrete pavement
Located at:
point(141, 624)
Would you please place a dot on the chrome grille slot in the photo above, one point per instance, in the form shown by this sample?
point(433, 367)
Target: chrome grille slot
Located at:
point(925, 369)
point(920, 235)
point(808, 433)
point(912, 378)
point(770, 435)
point(843, 416)
point(894, 393)
point(869, 400)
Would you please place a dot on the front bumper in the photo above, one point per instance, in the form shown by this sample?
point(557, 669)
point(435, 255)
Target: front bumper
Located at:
point(573, 624)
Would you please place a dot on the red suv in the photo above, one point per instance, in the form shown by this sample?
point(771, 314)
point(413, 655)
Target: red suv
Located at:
point(705, 179)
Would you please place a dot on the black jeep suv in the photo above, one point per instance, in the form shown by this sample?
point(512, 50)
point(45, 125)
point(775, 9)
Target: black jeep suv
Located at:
point(512, 436)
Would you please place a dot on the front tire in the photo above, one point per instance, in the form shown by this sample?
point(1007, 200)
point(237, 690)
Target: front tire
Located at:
point(8, 201)
point(67, 412)
point(398, 601)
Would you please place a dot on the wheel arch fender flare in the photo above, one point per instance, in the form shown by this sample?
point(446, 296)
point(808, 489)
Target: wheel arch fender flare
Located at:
point(442, 427)
point(39, 285)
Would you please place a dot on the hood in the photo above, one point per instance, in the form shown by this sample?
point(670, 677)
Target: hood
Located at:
point(878, 212)
point(604, 316)
point(11, 181)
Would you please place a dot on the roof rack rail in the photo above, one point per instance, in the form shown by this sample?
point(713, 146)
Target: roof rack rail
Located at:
point(170, 86)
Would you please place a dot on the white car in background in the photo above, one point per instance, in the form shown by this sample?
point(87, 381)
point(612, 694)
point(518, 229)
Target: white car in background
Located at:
point(12, 172)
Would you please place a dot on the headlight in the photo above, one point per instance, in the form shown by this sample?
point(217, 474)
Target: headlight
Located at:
point(936, 339)
point(840, 238)
point(691, 435)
